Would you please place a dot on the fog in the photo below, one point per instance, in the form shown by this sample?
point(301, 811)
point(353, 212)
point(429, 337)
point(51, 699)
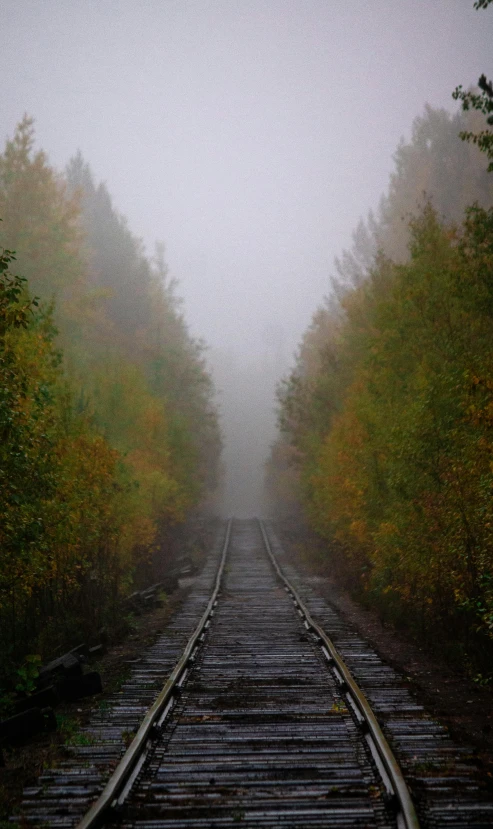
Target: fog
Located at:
point(249, 136)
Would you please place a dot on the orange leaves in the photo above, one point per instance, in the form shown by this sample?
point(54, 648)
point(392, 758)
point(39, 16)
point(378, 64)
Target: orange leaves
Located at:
point(397, 465)
point(121, 442)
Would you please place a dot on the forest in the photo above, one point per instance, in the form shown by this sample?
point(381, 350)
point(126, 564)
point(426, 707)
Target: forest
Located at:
point(386, 419)
point(246, 414)
point(109, 429)
point(109, 421)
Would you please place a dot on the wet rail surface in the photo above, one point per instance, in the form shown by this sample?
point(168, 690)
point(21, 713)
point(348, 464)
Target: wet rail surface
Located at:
point(63, 794)
point(261, 733)
point(447, 787)
point(261, 737)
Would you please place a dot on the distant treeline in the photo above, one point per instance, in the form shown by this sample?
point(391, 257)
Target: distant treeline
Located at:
point(108, 429)
point(387, 417)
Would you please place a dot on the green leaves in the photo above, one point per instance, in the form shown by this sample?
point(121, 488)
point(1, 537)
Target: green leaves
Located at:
point(398, 465)
point(27, 673)
point(108, 430)
point(482, 102)
point(13, 312)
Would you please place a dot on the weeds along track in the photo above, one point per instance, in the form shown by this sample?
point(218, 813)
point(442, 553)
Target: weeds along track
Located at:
point(259, 722)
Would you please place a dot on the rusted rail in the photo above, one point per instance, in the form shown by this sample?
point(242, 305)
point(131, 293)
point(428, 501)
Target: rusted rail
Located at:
point(238, 714)
point(127, 770)
point(261, 722)
point(388, 766)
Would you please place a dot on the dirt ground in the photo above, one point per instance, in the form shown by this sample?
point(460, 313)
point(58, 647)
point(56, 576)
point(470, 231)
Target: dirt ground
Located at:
point(463, 706)
point(25, 762)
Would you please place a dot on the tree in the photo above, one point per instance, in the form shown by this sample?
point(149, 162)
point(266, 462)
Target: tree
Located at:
point(386, 418)
point(482, 102)
point(143, 322)
point(40, 219)
point(108, 430)
point(48, 542)
point(115, 257)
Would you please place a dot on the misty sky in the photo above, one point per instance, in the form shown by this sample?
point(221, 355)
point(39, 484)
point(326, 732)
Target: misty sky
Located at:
point(248, 135)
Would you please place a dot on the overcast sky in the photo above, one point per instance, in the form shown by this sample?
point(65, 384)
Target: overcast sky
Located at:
point(248, 135)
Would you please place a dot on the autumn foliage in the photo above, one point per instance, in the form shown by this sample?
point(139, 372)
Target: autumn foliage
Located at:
point(109, 433)
point(388, 415)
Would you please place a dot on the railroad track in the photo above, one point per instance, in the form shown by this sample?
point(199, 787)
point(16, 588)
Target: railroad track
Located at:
point(260, 723)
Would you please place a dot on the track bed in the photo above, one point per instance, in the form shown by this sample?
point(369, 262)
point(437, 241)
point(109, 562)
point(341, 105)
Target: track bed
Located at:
point(260, 729)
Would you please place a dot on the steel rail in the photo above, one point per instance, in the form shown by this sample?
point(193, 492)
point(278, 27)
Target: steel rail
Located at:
point(385, 757)
point(129, 764)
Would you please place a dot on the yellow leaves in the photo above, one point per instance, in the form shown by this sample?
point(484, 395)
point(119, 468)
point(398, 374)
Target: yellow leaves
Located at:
point(475, 380)
point(387, 528)
point(359, 530)
point(402, 474)
point(140, 531)
point(89, 466)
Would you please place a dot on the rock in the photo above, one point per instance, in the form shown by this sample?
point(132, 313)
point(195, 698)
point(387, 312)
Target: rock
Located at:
point(73, 688)
point(67, 665)
point(47, 698)
point(25, 725)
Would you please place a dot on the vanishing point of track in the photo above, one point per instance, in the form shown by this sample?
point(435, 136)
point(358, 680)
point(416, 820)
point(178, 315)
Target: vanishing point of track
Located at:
point(260, 723)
